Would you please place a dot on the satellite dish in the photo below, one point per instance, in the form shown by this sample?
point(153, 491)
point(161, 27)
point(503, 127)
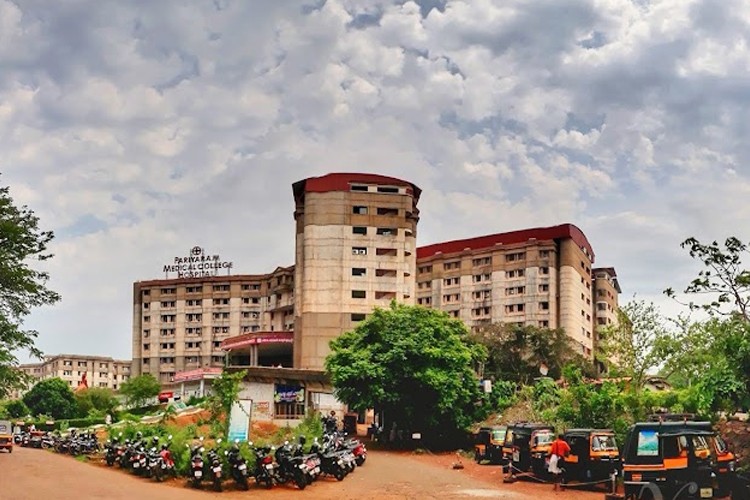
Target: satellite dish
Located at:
point(543, 370)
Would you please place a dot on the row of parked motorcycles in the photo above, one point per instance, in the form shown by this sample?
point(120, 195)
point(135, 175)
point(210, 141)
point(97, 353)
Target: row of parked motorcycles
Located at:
point(289, 463)
point(74, 443)
point(141, 457)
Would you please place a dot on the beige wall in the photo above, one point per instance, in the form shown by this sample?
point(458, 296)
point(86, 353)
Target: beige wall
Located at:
point(100, 371)
point(328, 255)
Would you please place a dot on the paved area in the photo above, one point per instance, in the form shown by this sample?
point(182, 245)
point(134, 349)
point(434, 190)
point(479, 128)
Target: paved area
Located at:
point(30, 474)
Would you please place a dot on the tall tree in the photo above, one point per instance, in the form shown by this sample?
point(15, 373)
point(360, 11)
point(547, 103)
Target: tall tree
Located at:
point(638, 343)
point(52, 397)
point(724, 280)
point(517, 353)
point(139, 390)
point(414, 364)
point(21, 286)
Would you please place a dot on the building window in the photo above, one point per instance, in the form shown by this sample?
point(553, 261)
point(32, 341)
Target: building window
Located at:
point(146, 293)
point(480, 312)
point(424, 284)
point(453, 314)
point(512, 257)
point(168, 291)
point(221, 288)
point(359, 210)
point(451, 265)
point(359, 294)
point(359, 230)
point(544, 270)
point(451, 281)
point(146, 319)
point(146, 347)
point(544, 306)
point(357, 187)
point(170, 303)
point(146, 333)
point(194, 289)
point(387, 189)
point(359, 271)
point(514, 308)
point(543, 254)
point(221, 302)
point(515, 273)
point(392, 273)
point(387, 231)
point(425, 269)
point(389, 211)
point(544, 287)
point(146, 305)
point(544, 324)
point(359, 250)
point(483, 261)
point(391, 252)
point(424, 301)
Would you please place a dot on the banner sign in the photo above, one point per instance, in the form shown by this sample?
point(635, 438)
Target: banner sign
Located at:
point(239, 420)
point(288, 394)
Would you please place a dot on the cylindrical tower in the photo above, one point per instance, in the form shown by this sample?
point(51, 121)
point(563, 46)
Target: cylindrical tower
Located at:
point(355, 250)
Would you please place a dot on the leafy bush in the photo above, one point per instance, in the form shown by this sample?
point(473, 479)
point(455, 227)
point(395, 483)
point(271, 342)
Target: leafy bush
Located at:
point(16, 409)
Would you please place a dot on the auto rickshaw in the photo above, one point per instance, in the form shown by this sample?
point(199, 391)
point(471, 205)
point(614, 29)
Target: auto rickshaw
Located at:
point(594, 455)
point(670, 459)
point(530, 447)
point(6, 436)
point(488, 444)
point(725, 460)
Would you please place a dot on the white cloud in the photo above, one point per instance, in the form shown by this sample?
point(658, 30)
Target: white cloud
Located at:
point(137, 131)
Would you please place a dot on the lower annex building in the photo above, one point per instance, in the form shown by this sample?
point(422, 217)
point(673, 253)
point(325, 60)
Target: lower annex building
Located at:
point(355, 250)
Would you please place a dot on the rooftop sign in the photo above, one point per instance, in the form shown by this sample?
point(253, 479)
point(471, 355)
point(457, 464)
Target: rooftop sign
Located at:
point(197, 265)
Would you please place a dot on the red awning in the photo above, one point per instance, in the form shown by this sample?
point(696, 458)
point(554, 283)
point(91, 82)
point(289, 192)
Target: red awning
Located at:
point(257, 338)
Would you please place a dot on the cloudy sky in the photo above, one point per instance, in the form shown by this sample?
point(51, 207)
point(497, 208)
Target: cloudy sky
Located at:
point(136, 130)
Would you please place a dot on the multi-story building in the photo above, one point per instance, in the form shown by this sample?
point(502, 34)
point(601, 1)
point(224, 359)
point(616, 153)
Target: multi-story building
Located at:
point(356, 250)
point(540, 277)
point(100, 371)
point(179, 324)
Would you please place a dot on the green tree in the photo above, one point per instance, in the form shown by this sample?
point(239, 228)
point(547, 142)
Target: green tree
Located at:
point(724, 280)
point(52, 397)
point(414, 364)
point(140, 389)
point(16, 409)
point(225, 393)
point(638, 343)
point(518, 353)
point(21, 287)
point(97, 399)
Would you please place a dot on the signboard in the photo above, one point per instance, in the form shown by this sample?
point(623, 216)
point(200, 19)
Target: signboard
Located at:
point(197, 374)
point(288, 394)
point(239, 420)
point(197, 265)
point(262, 408)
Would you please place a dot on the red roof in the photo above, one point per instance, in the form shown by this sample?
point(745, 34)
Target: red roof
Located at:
point(489, 241)
point(343, 182)
point(256, 338)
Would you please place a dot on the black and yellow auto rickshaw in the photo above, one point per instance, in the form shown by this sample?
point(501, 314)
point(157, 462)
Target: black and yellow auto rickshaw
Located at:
point(672, 459)
point(594, 455)
point(488, 444)
point(530, 445)
point(725, 460)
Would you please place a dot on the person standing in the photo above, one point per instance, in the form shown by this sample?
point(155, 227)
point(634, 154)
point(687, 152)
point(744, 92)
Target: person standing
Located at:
point(559, 450)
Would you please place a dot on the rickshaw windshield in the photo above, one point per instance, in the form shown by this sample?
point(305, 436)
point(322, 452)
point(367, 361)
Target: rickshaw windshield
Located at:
point(603, 442)
point(542, 437)
point(509, 438)
point(721, 446)
point(700, 447)
point(498, 435)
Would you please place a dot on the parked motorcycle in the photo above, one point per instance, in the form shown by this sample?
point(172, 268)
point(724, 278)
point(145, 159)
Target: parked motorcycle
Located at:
point(331, 463)
point(291, 468)
point(196, 464)
point(265, 468)
point(237, 465)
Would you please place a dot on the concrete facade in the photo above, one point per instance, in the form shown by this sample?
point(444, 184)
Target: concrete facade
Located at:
point(101, 371)
point(355, 250)
point(179, 324)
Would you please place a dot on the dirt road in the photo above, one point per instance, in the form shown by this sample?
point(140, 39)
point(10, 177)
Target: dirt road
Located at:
point(36, 474)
